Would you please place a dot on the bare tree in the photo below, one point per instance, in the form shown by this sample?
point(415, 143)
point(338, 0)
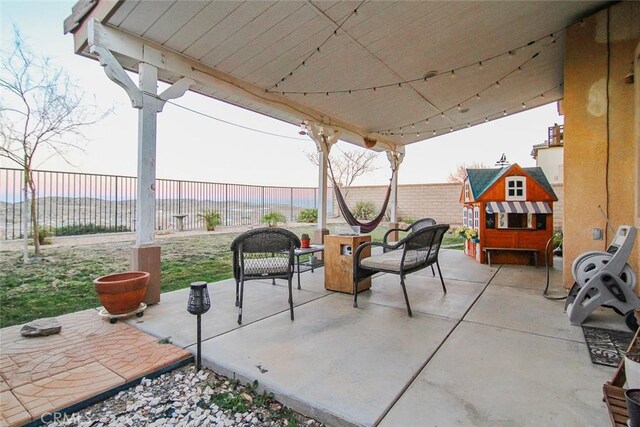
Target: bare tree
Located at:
point(42, 113)
point(347, 167)
point(460, 173)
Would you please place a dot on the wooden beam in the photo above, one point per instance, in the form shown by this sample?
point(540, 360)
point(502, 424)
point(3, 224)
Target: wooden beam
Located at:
point(179, 66)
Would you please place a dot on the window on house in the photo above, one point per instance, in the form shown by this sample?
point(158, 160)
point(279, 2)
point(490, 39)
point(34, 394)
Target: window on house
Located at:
point(517, 221)
point(464, 217)
point(466, 192)
point(476, 218)
point(516, 188)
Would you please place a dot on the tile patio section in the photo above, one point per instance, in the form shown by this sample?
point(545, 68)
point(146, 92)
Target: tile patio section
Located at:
point(491, 351)
point(90, 356)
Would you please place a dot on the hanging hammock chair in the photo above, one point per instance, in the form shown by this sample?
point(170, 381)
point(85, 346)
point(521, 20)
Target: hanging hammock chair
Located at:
point(365, 227)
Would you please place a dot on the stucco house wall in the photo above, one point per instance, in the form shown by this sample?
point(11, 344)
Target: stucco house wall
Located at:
point(600, 129)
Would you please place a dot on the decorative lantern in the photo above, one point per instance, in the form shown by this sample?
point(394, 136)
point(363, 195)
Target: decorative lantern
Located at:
point(198, 304)
point(369, 142)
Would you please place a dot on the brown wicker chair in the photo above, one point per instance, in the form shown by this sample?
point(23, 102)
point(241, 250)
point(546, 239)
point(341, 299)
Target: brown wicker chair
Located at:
point(416, 251)
point(263, 253)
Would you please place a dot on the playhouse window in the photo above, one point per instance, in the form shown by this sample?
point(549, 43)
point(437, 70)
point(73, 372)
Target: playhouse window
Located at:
point(466, 192)
point(513, 220)
point(516, 188)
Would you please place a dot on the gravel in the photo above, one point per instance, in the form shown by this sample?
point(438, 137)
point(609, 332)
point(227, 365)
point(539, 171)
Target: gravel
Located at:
point(187, 398)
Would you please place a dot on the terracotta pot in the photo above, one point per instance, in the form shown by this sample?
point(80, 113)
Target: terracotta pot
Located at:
point(304, 243)
point(122, 293)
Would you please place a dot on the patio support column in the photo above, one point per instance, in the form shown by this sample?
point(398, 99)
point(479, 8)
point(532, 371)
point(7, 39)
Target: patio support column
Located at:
point(324, 139)
point(145, 254)
point(395, 157)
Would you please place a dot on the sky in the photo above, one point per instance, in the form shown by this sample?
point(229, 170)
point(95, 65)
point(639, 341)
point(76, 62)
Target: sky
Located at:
point(194, 147)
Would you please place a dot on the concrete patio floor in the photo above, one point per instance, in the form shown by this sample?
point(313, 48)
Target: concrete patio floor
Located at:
point(491, 351)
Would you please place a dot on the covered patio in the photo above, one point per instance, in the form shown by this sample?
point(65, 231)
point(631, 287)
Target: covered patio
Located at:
point(490, 351)
point(385, 75)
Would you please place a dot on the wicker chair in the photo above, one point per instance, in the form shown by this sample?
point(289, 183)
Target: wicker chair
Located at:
point(416, 251)
point(263, 253)
point(418, 225)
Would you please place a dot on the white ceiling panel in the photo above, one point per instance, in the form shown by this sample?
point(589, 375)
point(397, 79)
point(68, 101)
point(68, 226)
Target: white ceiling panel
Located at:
point(263, 43)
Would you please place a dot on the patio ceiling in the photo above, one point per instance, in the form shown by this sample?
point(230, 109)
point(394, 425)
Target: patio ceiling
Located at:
point(362, 64)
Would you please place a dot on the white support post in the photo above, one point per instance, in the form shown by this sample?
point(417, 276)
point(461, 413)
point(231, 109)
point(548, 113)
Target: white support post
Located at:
point(324, 139)
point(147, 124)
point(145, 254)
point(395, 157)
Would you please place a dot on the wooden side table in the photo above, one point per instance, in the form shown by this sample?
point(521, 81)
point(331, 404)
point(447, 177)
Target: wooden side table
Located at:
point(338, 263)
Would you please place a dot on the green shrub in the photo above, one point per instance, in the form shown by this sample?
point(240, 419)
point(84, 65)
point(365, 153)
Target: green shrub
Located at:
point(364, 210)
point(44, 233)
point(273, 218)
point(308, 215)
point(78, 229)
point(211, 219)
point(407, 220)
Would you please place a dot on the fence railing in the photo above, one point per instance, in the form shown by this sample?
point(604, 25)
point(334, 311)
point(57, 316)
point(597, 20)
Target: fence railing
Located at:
point(68, 200)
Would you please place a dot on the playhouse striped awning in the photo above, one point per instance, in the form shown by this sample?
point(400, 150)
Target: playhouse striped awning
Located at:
point(518, 207)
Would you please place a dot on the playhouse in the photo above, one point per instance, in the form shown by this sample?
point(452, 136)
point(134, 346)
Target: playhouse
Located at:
point(507, 214)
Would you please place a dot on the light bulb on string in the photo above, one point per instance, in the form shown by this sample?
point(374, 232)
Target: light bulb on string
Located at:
point(477, 96)
point(498, 84)
point(486, 119)
point(480, 65)
point(451, 129)
point(453, 74)
point(442, 114)
point(459, 107)
point(524, 105)
point(504, 113)
point(434, 132)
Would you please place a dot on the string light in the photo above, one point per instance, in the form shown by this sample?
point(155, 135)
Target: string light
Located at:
point(504, 112)
point(477, 96)
point(524, 105)
point(459, 107)
point(333, 34)
point(451, 72)
point(498, 83)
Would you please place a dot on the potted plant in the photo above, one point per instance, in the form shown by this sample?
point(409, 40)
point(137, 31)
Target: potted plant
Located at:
point(122, 293)
point(472, 234)
point(211, 219)
point(273, 218)
point(305, 240)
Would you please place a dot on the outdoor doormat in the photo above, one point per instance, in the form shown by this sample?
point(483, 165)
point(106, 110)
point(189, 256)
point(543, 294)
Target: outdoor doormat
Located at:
point(606, 346)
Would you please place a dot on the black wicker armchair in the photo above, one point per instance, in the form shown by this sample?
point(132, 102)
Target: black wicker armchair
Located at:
point(264, 253)
point(418, 225)
point(416, 251)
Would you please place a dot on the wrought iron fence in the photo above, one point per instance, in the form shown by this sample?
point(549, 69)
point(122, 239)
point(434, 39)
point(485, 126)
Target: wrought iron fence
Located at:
point(77, 203)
